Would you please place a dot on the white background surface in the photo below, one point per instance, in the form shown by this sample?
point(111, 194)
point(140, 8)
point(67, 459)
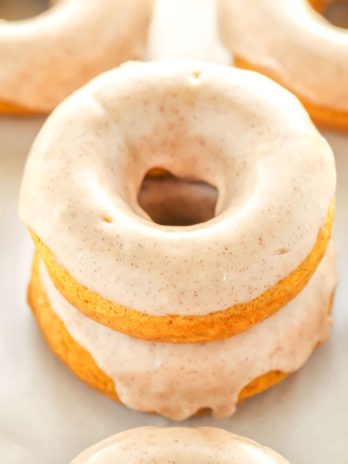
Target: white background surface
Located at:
point(48, 416)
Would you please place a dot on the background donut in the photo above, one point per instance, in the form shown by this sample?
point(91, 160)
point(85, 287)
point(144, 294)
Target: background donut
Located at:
point(45, 58)
point(289, 41)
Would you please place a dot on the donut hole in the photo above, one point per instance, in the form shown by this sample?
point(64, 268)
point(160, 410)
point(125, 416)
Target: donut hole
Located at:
point(13, 10)
point(335, 11)
point(172, 201)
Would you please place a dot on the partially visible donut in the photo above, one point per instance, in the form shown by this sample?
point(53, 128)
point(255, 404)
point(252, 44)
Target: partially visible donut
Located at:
point(178, 445)
point(45, 58)
point(289, 41)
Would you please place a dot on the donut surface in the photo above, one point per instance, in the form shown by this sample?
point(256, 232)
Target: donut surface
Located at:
point(45, 58)
point(178, 445)
point(289, 41)
point(178, 381)
point(235, 130)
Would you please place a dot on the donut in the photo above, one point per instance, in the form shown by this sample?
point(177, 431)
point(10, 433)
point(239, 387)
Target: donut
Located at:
point(178, 445)
point(201, 288)
point(45, 58)
point(169, 290)
point(291, 42)
point(166, 378)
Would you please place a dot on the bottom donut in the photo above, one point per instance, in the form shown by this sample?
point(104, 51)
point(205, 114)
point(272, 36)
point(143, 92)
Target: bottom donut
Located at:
point(178, 445)
point(178, 381)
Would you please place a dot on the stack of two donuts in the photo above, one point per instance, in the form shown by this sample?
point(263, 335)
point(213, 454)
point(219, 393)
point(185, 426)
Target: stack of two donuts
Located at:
point(178, 319)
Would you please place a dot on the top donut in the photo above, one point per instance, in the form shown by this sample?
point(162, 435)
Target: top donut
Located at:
point(236, 130)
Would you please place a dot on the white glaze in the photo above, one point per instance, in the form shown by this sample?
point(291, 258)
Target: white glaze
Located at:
point(178, 380)
point(178, 445)
point(288, 37)
point(173, 34)
point(45, 58)
point(233, 129)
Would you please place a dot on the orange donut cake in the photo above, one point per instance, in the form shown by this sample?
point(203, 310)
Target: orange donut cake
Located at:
point(144, 309)
point(178, 445)
point(45, 58)
point(291, 42)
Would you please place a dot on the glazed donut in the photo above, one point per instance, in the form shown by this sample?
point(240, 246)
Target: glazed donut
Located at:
point(178, 445)
point(289, 41)
point(167, 378)
point(276, 180)
point(144, 310)
point(45, 58)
